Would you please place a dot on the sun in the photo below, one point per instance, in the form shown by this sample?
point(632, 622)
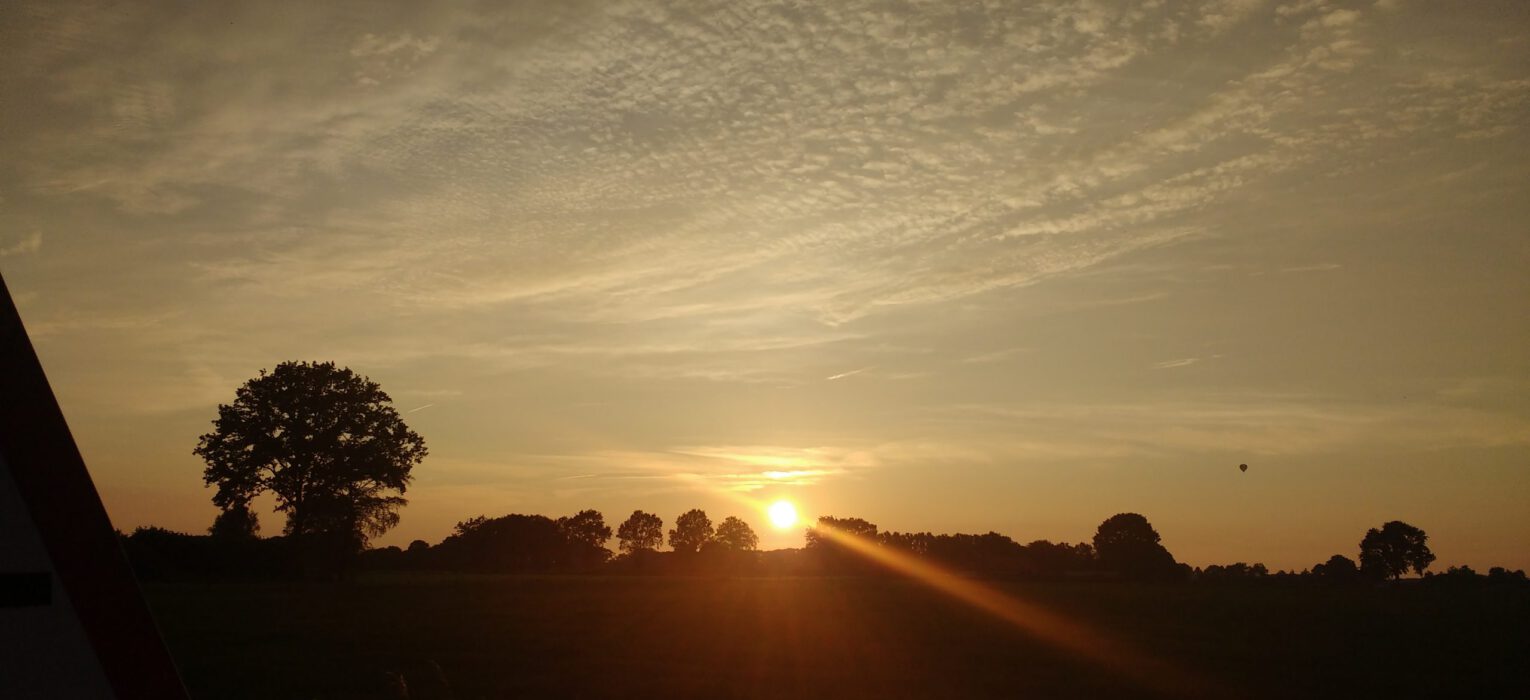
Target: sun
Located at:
point(782, 514)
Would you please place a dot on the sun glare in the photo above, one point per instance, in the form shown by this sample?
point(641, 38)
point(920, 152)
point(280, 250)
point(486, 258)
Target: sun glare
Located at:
point(782, 514)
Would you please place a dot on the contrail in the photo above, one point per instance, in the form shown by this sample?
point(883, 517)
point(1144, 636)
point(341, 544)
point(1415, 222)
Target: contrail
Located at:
point(419, 408)
point(842, 375)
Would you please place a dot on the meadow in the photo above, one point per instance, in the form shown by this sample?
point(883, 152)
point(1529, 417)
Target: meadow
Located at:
point(468, 637)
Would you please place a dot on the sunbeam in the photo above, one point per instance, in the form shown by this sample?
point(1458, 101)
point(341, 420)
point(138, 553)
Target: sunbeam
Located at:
point(1051, 627)
point(1074, 637)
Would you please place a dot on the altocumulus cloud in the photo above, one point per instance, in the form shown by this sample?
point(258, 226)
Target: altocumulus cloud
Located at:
point(753, 196)
point(29, 243)
point(627, 161)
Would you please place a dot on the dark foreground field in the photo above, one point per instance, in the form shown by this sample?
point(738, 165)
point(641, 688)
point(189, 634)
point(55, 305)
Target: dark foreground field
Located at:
point(496, 637)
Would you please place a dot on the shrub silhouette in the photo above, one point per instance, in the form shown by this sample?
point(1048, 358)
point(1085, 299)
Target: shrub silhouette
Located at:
point(1338, 569)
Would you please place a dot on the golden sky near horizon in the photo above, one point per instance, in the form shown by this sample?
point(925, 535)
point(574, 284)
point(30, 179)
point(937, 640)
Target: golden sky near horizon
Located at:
point(946, 266)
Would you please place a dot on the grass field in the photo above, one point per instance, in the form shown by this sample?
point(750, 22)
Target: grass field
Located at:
point(494, 637)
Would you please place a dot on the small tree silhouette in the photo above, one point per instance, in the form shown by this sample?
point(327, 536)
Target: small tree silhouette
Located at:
point(642, 532)
point(586, 532)
point(236, 522)
point(692, 529)
point(1337, 568)
point(735, 535)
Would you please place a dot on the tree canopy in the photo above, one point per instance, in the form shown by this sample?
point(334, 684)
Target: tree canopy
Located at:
point(642, 532)
point(587, 532)
point(587, 527)
point(1337, 568)
point(523, 543)
point(511, 543)
point(735, 535)
point(237, 521)
point(324, 440)
point(692, 529)
point(1394, 549)
point(1128, 545)
point(855, 527)
point(824, 544)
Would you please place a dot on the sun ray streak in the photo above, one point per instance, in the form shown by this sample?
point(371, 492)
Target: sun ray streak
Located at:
point(1049, 626)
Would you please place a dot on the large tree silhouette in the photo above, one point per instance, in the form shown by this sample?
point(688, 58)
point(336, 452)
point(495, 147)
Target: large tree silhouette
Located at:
point(1394, 549)
point(1128, 545)
point(643, 532)
point(692, 529)
point(324, 440)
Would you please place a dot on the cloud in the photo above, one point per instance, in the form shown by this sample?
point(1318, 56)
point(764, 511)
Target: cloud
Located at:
point(1182, 362)
point(1251, 424)
point(661, 199)
point(722, 468)
point(1224, 14)
point(995, 355)
point(383, 57)
point(666, 161)
point(1315, 267)
point(630, 158)
point(30, 243)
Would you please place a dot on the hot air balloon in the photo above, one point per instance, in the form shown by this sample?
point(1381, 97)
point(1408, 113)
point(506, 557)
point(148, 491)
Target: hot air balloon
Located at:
point(1243, 467)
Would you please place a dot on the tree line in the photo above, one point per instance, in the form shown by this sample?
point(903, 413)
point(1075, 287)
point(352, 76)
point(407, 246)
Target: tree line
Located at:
point(337, 457)
point(514, 543)
point(1124, 547)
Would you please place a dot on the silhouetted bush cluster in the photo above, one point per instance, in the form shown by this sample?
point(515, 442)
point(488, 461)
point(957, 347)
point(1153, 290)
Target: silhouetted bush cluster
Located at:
point(1466, 576)
point(510, 544)
point(1125, 546)
point(1232, 572)
point(989, 555)
point(160, 554)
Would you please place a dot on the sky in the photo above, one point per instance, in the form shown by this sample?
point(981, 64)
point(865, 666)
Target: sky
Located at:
point(945, 266)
